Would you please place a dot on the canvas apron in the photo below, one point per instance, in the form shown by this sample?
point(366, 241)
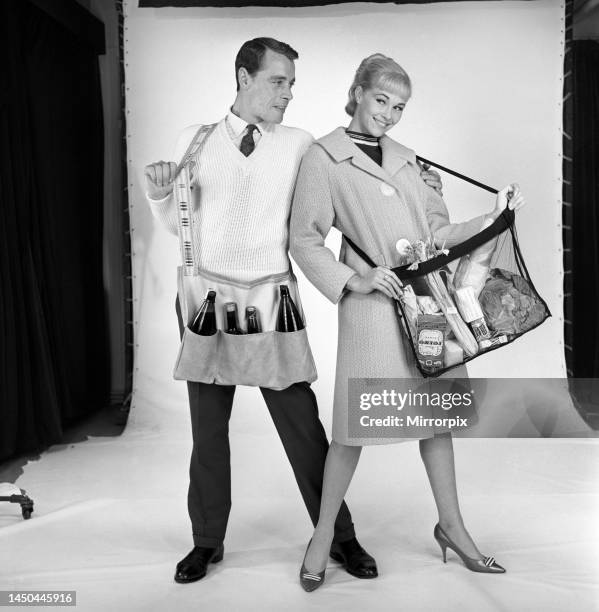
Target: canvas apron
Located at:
point(269, 359)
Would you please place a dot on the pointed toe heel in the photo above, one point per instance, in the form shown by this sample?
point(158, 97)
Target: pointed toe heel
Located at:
point(486, 565)
point(310, 581)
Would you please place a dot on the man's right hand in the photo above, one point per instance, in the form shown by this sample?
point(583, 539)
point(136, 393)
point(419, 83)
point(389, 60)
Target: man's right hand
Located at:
point(159, 179)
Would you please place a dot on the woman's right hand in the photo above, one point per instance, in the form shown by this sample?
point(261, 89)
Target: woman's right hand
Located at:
point(509, 197)
point(380, 279)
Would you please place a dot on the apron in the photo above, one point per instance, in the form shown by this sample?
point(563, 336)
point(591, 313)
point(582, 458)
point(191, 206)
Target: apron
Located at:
point(271, 358)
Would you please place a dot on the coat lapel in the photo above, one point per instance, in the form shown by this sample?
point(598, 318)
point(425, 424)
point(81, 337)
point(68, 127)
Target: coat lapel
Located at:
point(395, 155)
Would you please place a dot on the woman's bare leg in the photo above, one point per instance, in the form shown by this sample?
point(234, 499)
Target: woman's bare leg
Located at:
point(338, 471)
point(438, 459)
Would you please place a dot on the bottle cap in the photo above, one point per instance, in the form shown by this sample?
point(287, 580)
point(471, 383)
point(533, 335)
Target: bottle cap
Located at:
point(230, 306)
point(211, 294)
point(250, 310)
point(284, 289)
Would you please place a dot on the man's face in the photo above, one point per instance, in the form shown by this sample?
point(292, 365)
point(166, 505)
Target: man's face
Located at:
point(268, 91)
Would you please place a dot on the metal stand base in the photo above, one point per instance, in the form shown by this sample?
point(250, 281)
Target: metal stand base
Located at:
point(25, 501)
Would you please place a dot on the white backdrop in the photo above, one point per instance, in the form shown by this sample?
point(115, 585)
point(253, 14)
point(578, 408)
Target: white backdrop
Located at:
point(487, 89)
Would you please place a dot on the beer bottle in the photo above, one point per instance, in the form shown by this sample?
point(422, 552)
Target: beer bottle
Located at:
point(253, 320)
point(288, 319)
point(204, 323)
point(231, 316)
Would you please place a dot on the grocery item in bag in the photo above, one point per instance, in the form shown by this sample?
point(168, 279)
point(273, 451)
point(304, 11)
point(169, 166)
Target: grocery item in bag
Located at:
point(454, 354)
point(430, 337)
point(473, 268)
point(508, 303)
point(472, 313)
point(460, 329)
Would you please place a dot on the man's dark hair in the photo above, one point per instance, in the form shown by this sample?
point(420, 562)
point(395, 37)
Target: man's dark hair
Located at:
point(251, 53)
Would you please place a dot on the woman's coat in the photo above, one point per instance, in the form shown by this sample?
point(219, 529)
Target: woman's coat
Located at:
point(339, 186)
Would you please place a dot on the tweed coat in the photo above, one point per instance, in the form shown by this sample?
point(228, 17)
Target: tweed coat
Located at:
point(339, 186)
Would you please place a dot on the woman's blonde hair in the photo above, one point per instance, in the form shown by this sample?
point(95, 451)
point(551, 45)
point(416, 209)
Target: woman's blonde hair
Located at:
point(378, 70)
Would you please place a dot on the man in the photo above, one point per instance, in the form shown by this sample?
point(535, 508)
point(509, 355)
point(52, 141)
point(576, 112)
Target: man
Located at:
point(265, 164)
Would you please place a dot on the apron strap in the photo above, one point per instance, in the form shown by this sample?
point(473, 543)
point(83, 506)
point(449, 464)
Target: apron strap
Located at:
point(182, 194)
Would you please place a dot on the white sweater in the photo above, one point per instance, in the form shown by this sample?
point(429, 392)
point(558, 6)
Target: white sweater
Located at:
point(241, 204)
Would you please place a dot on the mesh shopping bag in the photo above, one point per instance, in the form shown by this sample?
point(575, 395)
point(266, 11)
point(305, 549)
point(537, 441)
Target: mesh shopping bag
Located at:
point(463, 302)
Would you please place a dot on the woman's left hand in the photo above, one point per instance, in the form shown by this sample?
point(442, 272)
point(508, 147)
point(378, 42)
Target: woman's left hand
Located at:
point(510, 197)
point(431, 178)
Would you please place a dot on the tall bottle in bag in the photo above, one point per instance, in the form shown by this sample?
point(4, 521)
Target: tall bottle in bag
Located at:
point(231, 326)
point(288, 319)
point(252, 320)
point(204, 323)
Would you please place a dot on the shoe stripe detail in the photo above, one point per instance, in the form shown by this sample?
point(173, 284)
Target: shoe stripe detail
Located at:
point(489, 561)
point(311, 577)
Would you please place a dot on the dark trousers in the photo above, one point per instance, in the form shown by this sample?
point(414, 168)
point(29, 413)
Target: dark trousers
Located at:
point(294, 412)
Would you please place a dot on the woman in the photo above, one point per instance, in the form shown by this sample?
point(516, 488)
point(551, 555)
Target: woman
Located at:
point(368, 186)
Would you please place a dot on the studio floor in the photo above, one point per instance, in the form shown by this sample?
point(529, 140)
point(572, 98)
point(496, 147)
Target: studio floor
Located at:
point(110, 522)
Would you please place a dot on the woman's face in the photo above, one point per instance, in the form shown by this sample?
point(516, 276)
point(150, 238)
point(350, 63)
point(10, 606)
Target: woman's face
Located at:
point(377, 110)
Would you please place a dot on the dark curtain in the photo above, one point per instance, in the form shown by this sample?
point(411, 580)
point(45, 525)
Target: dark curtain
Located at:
point(585, 209)
point(53, 353)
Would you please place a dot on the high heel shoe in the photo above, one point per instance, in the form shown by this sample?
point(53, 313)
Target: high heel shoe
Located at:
point(310, 581)
point(486, 565)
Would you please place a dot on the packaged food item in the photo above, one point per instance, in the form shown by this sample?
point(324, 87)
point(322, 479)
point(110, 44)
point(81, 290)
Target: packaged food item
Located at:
point(410, 304)
point(440, 294)
point(472, 313)
point(430, 337)
point(480, 330)
point(494, 341)
point(454, 353)
point(473, 268)
point(426, 305)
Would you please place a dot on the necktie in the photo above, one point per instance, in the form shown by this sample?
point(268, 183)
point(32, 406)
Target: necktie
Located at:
point(247, 142)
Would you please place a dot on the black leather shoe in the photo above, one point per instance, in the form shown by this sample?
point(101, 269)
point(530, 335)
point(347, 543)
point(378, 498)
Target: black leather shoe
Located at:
point(195, 565)
point(354, 559)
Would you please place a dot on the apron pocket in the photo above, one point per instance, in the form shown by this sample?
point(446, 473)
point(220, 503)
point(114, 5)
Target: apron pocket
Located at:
point(271, 359)
point(197, 359)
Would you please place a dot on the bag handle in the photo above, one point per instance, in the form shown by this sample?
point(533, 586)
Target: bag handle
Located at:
point(182, 194)
point(503, 222)
point(460, 176)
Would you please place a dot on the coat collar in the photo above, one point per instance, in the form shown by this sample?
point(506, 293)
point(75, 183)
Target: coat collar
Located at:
point(395, 156)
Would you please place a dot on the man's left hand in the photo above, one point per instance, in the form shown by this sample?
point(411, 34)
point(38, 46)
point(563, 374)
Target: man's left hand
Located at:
point(431, 178)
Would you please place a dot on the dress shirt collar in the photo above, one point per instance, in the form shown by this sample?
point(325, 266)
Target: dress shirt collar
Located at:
point(238, 125)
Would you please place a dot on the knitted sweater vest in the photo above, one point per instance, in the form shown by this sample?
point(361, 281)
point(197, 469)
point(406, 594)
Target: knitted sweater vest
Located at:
point(241, 204)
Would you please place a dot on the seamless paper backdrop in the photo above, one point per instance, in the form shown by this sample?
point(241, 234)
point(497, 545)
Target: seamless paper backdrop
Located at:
point(487, 90)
